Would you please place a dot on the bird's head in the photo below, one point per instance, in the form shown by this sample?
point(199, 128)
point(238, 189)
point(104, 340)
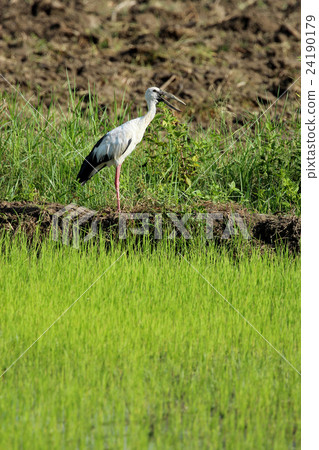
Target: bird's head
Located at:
point(156, 95)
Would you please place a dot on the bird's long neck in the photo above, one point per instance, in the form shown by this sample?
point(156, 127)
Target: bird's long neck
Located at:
point(149, 116)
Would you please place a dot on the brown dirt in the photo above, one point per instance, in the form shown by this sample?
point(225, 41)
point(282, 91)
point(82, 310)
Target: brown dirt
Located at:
point(231, 56)
point(266, 231)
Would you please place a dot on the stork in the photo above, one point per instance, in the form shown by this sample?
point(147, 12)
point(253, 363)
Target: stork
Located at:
point(118, 144)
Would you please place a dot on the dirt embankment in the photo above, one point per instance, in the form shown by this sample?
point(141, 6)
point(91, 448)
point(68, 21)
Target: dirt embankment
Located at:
point(228, 221)
point(231, 56)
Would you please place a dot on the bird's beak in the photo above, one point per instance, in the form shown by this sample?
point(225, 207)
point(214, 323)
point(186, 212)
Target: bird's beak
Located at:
point(166, 94)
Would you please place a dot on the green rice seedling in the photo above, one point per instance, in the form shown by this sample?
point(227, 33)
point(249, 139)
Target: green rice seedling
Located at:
point(141, 349)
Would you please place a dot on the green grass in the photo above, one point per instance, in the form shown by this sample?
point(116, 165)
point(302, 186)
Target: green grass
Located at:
point(151, 356)
point(175, 166)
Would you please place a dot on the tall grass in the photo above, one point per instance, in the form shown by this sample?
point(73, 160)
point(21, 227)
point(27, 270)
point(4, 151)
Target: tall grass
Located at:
point(150, 356)
point(174, 167)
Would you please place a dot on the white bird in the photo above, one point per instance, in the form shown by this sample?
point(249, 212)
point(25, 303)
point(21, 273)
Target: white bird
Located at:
point(118, 144)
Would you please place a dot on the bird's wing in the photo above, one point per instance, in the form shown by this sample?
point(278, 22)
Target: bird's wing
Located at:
point(113, 144)
point(110, 147)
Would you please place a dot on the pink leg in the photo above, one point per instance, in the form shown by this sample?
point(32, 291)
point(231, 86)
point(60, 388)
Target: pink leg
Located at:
point(117, 187)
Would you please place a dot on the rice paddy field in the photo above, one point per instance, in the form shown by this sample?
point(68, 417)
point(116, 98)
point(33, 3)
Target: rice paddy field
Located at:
point(123, 344)
point(149, 355)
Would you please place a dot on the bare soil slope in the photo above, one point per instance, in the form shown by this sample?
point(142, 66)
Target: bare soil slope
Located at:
point(214, 54)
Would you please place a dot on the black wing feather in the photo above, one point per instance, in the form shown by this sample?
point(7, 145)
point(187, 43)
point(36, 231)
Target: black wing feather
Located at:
point(128, 144)
point(90, 163)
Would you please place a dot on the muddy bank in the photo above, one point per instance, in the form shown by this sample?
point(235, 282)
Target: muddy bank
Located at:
point(222, 223)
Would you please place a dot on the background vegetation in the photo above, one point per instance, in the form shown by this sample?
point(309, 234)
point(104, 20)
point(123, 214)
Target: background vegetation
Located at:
point(177, 165)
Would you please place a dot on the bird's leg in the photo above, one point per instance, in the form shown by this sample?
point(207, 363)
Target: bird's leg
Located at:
point(117, 187)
